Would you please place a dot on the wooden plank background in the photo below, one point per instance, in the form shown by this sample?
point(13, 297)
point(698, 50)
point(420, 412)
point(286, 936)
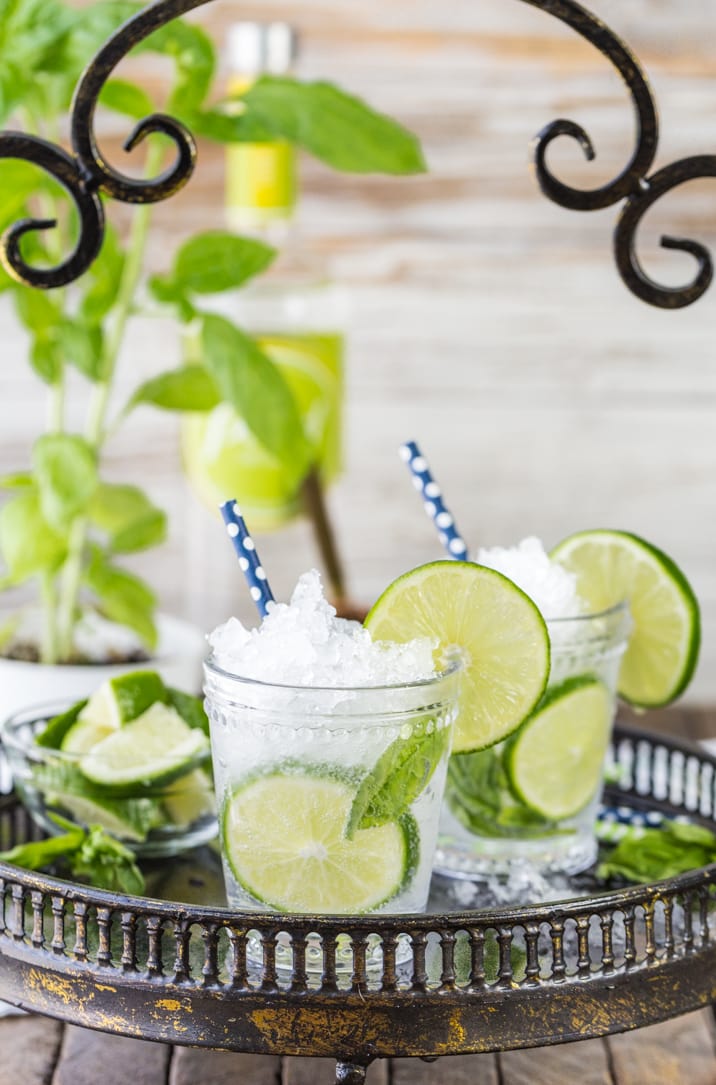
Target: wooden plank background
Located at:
point(485, 322)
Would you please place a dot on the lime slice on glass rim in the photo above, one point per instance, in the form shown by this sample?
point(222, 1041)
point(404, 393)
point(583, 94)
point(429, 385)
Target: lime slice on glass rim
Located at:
point(554, 762)
point(663, 648)
point(303, 862)
point(493, 626)
point(154, 749)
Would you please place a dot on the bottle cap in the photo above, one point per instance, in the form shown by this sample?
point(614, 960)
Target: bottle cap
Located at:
point(255, 48)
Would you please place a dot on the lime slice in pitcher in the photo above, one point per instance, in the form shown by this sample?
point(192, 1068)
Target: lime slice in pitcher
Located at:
point(493, 626)
point(284, 841)
point(554, 763)
point(664, 642)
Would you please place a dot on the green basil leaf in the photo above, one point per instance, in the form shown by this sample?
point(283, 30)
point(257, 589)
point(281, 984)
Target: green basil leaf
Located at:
point(217, 260)
point(123, 597)
point(128, 517)
point(165, 290)
point(82, 346)
point(191, 388)
point(101, 281)
point(46, 359)
point(194, 57)
point(36, 309)
point(18, 182)
point(334, 126)
point(66, 472)
point(18, 480)
point(126, 98)
point(400, 774)
point(224, 127)
point(27, 542)
point(33, 44)
point(256, 389)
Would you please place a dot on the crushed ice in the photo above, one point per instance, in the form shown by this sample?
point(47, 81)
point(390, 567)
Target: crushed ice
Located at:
point(303, 643)
point(528, 565)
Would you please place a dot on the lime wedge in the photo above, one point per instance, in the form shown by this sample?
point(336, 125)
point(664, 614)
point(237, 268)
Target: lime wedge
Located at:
point(664, 643)
point(127, 819)
point(555, 761)
point(124, 698)
point(189, 798)
point(495, 628)
point(154, 749)
point(83, 735)
point(66, 789)
point(284, 839)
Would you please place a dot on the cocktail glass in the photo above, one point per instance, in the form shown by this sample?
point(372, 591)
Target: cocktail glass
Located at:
point(329, 798)
point(487, 828)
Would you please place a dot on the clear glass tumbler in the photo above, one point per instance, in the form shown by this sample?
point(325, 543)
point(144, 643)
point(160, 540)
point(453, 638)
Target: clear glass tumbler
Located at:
point(329, 798)
point(527, 806)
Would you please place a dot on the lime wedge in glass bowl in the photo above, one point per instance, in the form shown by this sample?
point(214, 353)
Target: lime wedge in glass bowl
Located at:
point(145, 782)
point(495, 629)
point(663, 647)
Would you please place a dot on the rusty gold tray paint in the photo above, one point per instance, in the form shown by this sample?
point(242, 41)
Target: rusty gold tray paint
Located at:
point(487, 980)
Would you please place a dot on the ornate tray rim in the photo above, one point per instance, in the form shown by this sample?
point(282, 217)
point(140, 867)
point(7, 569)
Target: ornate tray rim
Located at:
point(666, 966)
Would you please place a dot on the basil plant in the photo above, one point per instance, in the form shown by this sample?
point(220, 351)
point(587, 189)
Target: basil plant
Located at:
point(64, 528)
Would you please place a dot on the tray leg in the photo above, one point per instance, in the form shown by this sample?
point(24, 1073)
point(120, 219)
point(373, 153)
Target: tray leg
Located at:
point(350, 1073)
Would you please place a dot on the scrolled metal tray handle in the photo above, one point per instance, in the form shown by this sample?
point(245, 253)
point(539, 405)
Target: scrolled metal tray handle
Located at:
point(85, 173)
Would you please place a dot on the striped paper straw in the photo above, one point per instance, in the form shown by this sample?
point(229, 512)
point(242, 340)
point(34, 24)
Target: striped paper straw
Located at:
point(249, 562)
point(433, 504)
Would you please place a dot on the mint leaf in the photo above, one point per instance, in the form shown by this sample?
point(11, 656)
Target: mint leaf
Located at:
point(649, 855)
point(130, 520)
point(400, 774)
point(107, 863)
point(256, 389)
point(334, 126)
point(82, 346)
point(66, 473)
point(218, 260)
point(91, 853)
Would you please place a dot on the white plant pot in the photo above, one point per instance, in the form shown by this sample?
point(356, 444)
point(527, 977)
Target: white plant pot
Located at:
point(180, 652)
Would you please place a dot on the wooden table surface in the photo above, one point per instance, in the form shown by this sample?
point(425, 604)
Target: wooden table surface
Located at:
point(38, 1051)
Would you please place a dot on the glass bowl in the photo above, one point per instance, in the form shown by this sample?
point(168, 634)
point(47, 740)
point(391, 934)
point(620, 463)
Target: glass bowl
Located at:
point(153, 819)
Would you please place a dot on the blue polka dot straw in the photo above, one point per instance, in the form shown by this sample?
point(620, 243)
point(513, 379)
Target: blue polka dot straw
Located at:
point(431, 493)
point(249, 562)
